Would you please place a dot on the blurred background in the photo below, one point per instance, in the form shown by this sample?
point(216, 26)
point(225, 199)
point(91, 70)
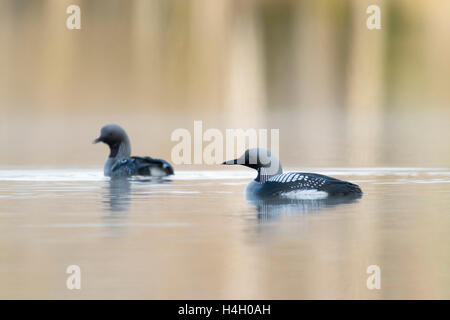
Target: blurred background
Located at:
point(341, 95)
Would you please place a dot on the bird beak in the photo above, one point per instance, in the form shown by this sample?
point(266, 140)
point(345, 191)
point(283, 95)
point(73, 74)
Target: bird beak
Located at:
point(99, 139)
point(230, 162)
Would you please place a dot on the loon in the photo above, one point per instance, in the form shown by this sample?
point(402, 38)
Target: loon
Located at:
point(119, 162)
point(272, 183)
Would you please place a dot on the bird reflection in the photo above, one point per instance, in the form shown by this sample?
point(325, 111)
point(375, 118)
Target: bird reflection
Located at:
point(118, 195)
point(117, 198)
point(270, 209)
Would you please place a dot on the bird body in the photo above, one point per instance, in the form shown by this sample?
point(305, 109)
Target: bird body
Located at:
point(143, 166)
point(299, 185)
point(271, 182)
point(119, 162)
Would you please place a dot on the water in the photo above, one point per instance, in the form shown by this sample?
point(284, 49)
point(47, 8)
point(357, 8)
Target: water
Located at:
point(195, 236)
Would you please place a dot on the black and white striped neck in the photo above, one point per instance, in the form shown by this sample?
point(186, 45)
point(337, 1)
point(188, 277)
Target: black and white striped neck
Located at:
point(265, 174)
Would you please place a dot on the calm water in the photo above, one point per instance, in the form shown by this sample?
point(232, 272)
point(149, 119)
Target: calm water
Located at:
point(195, 236)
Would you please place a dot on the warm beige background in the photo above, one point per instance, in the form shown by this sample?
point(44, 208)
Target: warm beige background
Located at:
point(340, 93)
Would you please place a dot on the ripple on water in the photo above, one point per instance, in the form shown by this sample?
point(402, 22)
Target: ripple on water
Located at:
point(102, 225)
point(97, 174)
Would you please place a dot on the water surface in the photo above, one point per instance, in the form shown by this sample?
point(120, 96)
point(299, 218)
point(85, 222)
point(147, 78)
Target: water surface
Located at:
point(195, 236)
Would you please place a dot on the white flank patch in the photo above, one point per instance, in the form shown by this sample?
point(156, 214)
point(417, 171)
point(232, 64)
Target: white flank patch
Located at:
point(305, 195)
point(157, 172)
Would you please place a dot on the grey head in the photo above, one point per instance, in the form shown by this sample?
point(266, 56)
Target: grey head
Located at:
point(262, 160)
point(119, 144)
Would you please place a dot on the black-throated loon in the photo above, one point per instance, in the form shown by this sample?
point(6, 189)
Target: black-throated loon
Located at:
point(119, 162)
point(271, 182)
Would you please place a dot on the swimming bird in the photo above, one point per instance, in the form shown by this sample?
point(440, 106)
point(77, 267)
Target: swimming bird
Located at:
point(119, 162)
point(271, 182)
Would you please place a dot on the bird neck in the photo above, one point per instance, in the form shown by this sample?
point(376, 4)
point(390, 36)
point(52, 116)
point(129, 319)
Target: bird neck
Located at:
point(265, 174)
point(120, 149)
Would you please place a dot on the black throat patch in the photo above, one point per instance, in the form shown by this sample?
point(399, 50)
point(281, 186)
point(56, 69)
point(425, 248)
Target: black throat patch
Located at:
point(114, 148)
